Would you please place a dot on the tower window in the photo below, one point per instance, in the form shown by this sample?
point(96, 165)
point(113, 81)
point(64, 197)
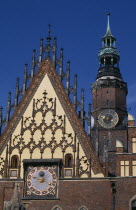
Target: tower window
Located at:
point(134, 168)
point(68, 161)
point(134, 145)
point(14, 161)
point(124, 166)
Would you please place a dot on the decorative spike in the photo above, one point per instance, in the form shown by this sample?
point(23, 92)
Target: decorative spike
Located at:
point(75, 91)
point(89, 120)
point(61, 63)
point(16, 92)
point(82, 106)
point(1, 108)
point(33, 64)
point(41, 51)
point(48, 41)
point(49, 35)
point(68, 78)
point(8, 108)
point(25, 78)
point(54, 51)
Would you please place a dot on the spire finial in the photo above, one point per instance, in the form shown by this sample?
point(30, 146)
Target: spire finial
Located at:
point(49, 30)
point(49, 34)
point(108, 31)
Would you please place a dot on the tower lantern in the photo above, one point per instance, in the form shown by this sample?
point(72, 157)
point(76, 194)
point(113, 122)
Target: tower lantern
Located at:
point(109, 56)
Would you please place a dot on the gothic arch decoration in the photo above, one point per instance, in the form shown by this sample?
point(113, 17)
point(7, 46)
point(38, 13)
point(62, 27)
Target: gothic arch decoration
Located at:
point(44, 129)
point(41, 108)
point(56, 208)
point(131, 202)
point(83, 208)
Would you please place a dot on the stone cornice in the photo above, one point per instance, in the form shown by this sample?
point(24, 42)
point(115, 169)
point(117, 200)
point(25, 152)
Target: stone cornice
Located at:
point(109, 83)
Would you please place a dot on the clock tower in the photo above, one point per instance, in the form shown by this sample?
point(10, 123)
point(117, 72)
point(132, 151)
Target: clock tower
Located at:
point(109, 105)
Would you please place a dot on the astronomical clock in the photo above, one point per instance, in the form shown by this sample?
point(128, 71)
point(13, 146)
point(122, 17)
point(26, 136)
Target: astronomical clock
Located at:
point(108, 118)
point(41, 178)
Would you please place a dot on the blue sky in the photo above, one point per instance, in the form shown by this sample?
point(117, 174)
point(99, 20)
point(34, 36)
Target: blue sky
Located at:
point(78, 26)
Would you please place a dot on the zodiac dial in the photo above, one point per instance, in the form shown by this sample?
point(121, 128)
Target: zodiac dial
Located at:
point(41, 180)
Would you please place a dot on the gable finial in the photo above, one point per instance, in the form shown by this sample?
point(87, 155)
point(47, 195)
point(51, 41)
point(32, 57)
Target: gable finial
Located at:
point(33, 63)
point(49, 34)
point(8, 108)
point(16, 93)
point(82, 112)
point(49, 30)
point(25, 79)
point(68, 78)
point(54, 51)
point(61, 63)
point(41, 51)
point(75, 92)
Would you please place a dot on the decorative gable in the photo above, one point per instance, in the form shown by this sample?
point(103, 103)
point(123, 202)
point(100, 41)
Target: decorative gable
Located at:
point(46, 126)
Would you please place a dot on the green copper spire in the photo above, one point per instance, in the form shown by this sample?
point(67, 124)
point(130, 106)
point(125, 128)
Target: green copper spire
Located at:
point(108, 31)
point(109, 56)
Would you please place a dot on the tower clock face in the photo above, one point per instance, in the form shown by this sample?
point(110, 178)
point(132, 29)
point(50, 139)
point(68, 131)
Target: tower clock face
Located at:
point(41, 180)
point(108, 118)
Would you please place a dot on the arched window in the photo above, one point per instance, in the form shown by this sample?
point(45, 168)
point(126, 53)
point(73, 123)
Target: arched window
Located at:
point(68, 161)
point(134, 204)
point(14, 161)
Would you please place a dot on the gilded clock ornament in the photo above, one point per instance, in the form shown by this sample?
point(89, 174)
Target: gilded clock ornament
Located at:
point(108, 118)
point(41, 180)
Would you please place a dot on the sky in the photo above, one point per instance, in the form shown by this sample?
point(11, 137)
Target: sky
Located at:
point(79, 26)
